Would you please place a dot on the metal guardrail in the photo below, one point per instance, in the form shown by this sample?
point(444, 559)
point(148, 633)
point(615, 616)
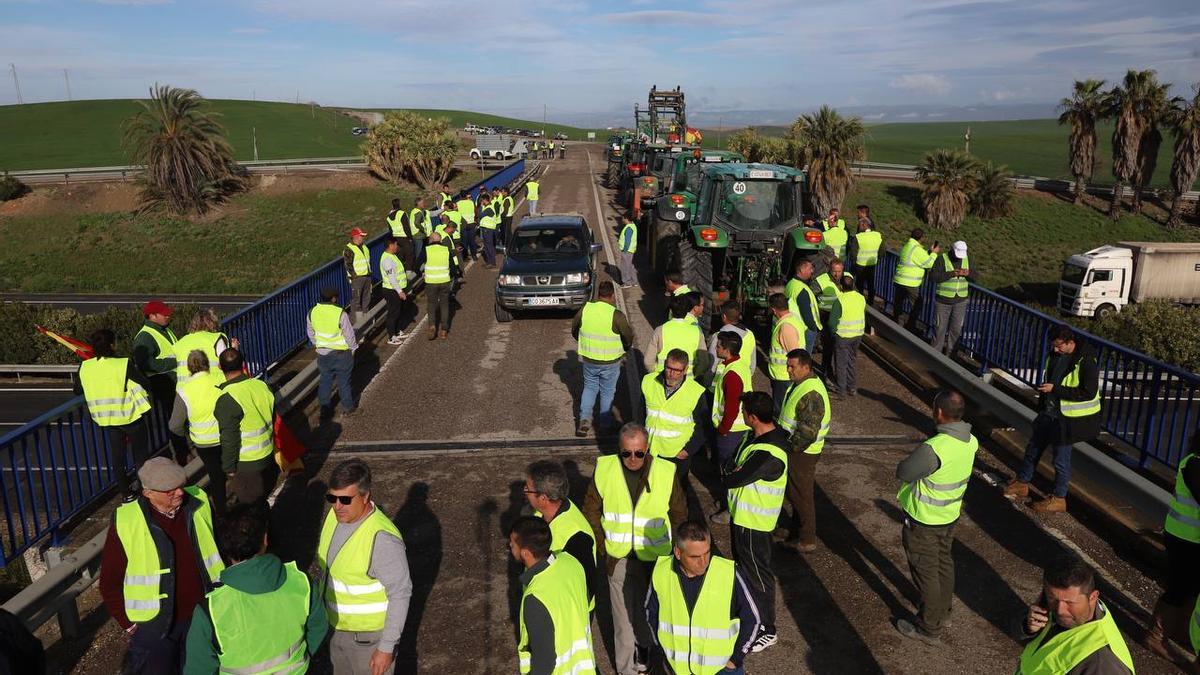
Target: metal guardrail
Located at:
point(1151, 405)
point(56, 466)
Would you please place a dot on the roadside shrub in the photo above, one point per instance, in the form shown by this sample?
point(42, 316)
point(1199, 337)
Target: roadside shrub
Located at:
point(20, 341)
point(11, 187)
point(995, 196)
point(1158, 329)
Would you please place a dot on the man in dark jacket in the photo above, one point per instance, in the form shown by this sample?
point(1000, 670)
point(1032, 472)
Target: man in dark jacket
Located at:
point(950, 274)
point(1068, 413)
point(262, 579)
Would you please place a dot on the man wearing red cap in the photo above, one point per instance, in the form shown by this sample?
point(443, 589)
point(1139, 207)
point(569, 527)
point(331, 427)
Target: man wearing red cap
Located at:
point(154, 355)
point(358, 267)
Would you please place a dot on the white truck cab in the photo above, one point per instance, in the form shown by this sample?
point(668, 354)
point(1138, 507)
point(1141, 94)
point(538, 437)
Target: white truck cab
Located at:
point(1096, 283)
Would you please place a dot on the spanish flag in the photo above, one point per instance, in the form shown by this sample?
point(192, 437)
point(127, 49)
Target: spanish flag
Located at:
point(82, 349)
point(693, 136)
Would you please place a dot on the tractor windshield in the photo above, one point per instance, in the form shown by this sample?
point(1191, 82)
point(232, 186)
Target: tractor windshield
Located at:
point(756, 204)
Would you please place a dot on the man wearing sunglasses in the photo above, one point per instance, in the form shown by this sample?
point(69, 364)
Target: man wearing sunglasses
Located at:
point(632, 503)
point(674, 402)
point(363, 575)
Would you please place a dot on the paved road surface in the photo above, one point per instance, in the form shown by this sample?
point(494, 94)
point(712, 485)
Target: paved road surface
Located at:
point(493, 387)
point(20, 403)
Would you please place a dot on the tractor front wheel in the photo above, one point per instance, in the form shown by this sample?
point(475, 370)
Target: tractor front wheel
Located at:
point(664, 248)
point(697, 267)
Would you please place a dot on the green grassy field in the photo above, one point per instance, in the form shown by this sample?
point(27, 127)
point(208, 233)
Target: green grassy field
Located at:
point(1027, 147)
point(460, 118)
point(88, 133)
point(1021, 255)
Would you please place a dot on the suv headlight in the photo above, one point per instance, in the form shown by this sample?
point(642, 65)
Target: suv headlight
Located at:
point(510, 280)
point(579, 278)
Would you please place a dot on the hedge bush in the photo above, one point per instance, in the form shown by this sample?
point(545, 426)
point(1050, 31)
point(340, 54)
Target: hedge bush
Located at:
point(20, 341)
point(11, 187)
point(1159, 329)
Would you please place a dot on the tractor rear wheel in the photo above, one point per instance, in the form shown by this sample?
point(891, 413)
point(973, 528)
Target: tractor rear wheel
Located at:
point(697, 267)
point(664, 249)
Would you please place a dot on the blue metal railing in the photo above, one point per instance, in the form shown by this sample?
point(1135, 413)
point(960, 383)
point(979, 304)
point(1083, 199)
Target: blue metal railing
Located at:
point(1151, 405)
point(57, 465)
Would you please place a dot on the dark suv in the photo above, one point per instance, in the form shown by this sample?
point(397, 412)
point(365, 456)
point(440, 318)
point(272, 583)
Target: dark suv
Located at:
point(548, 264)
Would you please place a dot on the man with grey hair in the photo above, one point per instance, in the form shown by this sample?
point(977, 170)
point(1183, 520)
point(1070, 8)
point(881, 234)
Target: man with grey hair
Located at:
point(547, 491)
point(631, 505)
point(364, 575)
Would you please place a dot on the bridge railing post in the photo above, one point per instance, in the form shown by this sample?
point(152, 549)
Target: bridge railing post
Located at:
point(68, 614)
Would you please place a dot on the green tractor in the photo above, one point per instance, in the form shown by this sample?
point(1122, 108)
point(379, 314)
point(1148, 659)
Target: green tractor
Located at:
point(735, 230)
point(617, 148)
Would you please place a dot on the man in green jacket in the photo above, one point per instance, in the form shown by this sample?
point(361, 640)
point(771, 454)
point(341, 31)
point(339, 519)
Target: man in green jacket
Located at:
point(154, 356)
point(254, 580)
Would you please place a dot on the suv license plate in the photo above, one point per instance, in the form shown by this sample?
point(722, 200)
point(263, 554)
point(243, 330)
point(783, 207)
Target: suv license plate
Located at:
point(543, 301)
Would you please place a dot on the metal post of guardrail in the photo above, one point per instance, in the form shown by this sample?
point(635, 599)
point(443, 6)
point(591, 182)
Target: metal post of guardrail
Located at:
point(68, 615)
point(1149, 438)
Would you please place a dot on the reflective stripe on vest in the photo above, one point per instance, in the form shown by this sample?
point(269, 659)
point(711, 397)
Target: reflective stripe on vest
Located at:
point(756, 506)
point(142, 587)
point(836, 239)
point(852, 315)
point(531, 190)
point(777, 355)
point(562, 589)
point(914, 260)
point(699, 641)
point(204, 341)
point(1183, 516)
point(644, 527)
point(787, 414)
point(682, 289)
point(262, 632)
point(112, 398)
point(257, 402)
point(437, 264)
point(199, 397)
point(362, 259)
point(489, 219)
point(354, 601)
point(164, 343)
point(597, 340)
point(954, 287)
point(326, 319)
point(628, 238)
point(682, 334)
point(937, 498)
point(740, 369)
point(869, 243)
point(669, 421)
point(829, 291)
point(1076, 408)
point(567, 524)
point(401, 275)
point(1068, 648)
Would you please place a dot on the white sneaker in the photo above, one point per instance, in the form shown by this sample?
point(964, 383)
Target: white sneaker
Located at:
point(396, 339)
point(764, 640)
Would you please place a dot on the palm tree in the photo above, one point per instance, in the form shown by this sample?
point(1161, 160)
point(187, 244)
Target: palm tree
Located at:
point(830, 143)
point(1157, 109)
point(948, 178)
point(1185, 123)
point(1128, 103)
point(1081, 111)
point(188, 161)
point(994, 196)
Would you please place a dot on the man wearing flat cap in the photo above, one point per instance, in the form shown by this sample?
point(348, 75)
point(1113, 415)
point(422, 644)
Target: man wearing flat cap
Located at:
point(159, 560)
point(154, 356)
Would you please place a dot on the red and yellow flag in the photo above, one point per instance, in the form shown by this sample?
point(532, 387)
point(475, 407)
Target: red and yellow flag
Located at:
point(82, 349)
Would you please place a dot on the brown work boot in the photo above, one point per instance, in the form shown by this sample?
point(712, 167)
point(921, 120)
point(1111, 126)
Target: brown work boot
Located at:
point(433, 333)
point(1156, 640)
point(1016, 489)
point(1050, 505)
point(445, 335)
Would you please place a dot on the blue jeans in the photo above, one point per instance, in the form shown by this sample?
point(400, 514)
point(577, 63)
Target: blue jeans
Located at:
point(489, 246)
point(732, 671)
point(810, 340)
point(533, 207)
point(779, 389)
point(335, 366)
point(1047, 431)
point(599, 378)
point(418, 253)
point(470, 248)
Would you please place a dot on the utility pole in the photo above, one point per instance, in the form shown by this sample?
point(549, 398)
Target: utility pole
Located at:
point(720, 129)
point(16, 82)
point(254, 139)
point(967, 139)
point(67, 77)
point(543, 120)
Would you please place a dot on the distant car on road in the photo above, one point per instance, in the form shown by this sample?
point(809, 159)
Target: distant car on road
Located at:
point(359, 131)
point(560, 136)
point(549, 263)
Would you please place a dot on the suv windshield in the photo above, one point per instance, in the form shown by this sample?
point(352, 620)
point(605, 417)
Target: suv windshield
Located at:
point(1073, 274)
point(549, 241)
point(756, 204)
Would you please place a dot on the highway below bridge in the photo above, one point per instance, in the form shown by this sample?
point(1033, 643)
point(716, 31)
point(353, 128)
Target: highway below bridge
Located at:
point(448, 427)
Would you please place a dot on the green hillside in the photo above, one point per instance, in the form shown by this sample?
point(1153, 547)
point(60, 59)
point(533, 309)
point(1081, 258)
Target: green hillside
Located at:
point(460, 118)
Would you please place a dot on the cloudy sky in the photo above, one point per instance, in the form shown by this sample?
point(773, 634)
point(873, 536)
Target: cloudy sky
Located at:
point(579, 56)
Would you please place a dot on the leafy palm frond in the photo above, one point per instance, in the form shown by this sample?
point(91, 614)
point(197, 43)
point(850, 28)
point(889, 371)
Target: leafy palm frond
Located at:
point(1081, 111)
point(1185, 165)
point(948, 179)
point(829, 143)
point(994, 196)
point(406, 145)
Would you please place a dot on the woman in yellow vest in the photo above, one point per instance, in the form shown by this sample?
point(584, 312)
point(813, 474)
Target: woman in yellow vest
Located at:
point(194, 414)
point(118, 398)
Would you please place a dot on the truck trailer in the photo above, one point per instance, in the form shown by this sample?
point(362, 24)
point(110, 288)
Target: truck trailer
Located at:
point(1105, 279)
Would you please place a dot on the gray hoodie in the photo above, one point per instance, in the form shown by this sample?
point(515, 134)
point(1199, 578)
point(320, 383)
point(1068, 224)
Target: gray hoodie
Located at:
point(924, 461)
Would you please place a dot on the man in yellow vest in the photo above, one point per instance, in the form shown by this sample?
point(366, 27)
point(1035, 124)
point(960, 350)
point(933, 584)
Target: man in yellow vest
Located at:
point(1068, 413)
point(508, 206)
point(264, 617)
point(756, 488)
point(802, 302)
point(466, 209)
point(194, 414)
point(914, 260)
point(627, 241)
point(733, 377)
point(863, 253)
point(489, 223)
point(418, 218)
point(704, 617)
point(632, 503)
point(950, 275)
point(847, 323)
point(604, 335)
point(835, 234)
point(531, 195)
point(245, 413)
point(364, 577)
point(934, 481)
point(403, 231)
point(828, 285)
point(731, 322)
point(806, 416)
point(786, 335)
point(159, 560)
point(441, 269)
point(356, 258)
point(1173, 613)
point(673, 280)
point(393, 282)
point(118, 401)
point(679, 332)
point(204, 333)
point(674, 402)
point(332, 334)
point(154, 355)
point(547, 490)
point(553, 621)
point(1069, 629)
